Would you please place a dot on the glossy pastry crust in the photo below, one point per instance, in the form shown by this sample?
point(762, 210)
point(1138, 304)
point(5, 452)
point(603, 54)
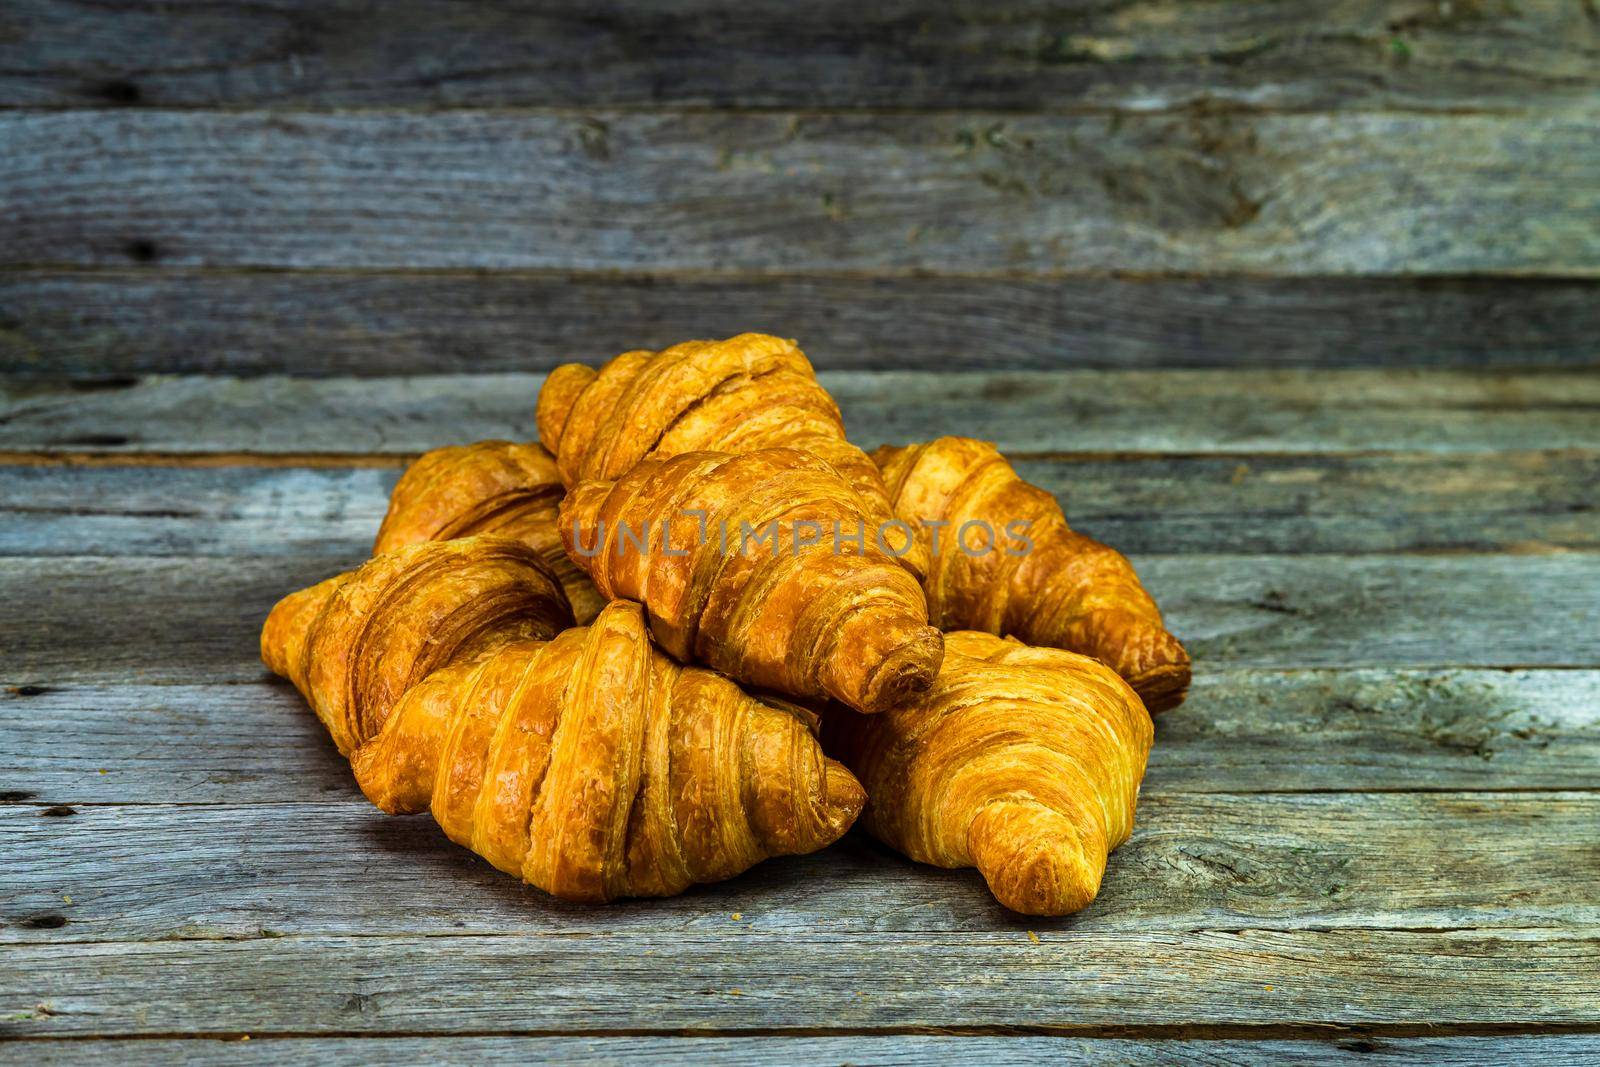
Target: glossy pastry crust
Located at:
point(744, 393)
point(359, 641)
point(1022, 762)
point(581, 760)
point(1060, 589)
point(502, 488)
point(798, 610)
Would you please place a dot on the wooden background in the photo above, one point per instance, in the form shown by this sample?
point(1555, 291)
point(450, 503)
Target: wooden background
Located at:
point(1294, 301)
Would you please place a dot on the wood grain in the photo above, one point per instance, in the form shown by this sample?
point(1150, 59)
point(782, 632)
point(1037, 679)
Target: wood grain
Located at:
point(118, 322)
point(1137, 54)
point(1511, 501)
point(734, 980)
point(1314, 283)
point(119, 619)
point(975, 193)
point(910, 1050)
point(1440, 861)
point(1026, 413)
point(1242, 730)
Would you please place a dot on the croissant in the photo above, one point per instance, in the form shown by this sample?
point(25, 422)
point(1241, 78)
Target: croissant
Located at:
point(583, 761)
point(1023, 762)
point(1019, 569)
point(492, 487)
point(745, 393)
point(359, 641)
point(759, 565)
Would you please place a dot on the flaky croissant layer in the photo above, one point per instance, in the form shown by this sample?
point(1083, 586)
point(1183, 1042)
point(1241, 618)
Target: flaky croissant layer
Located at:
point(1023, 762)
point(799, 608)
point(355, 644)
point(590, 764)
point(1039, 581)
point(491, 487)
point(738, 395)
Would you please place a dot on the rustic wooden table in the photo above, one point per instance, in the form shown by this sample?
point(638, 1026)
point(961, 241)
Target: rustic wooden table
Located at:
point(1292, 301)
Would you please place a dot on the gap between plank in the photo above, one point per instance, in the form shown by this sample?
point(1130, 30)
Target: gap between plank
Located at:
point(1176, 1032)
point(90, 458)
point(636, 276)
point(1207, 106)
point(278, 937)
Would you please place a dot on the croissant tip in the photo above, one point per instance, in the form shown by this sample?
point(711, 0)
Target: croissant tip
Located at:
point(561, 389)
point(1041, 870)
point(904, 673)
point(284, 632)
point(1046, 879)
point(1162, 687)
point(1035, 860)
point(884, 453)
point(846, 798)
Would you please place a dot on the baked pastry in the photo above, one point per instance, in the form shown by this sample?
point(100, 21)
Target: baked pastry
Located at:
point(763, 566)
point(1022, 762)
point(581, 759)
point(491, 487)
point(745, 393)
point(1008, 563)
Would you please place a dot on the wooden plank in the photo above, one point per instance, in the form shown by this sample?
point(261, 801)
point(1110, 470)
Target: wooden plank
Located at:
point(196, 511)
point(1141, 55)
point(739, 980)
point(192, 744)
point(1518, 501)
point(1026, 413)
point(89, 619)
point(119, 322)
point(981, 193)
point(83, 619)
point(1380, 729)
point(1381, 611)
point(1438, 861)
point(1241, 730)
point(1492, 501)
point(910, 1050)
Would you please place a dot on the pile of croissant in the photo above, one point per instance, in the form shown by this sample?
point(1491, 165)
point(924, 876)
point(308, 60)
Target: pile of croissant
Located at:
point(571, 654)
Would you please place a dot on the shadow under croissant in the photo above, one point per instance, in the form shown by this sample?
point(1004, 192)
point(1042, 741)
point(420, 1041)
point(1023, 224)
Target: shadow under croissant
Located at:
point(842, 887)
point(805, 889)
point(326, 772)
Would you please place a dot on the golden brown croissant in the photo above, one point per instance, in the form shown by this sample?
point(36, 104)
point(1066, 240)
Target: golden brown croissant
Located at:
point(356, 643)
point(745, 393)
point(492, 487)
point(589, 765)
point(1023, 762)
point(1040, 581)
point(804, 611)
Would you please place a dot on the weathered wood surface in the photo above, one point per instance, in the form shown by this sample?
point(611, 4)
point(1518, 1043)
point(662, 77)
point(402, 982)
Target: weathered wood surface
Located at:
point(912, 1050)
point(1026, 413)
point(89, 323)
point(91, 619)
point(979, 193)
point(1241, 730)
point(1324, 861)
point(712, 981)
point(1373, 827)
point(1516, 501)
point(1136, 54)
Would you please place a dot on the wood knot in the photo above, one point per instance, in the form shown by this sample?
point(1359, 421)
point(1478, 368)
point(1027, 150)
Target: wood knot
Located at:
point(119, 91)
